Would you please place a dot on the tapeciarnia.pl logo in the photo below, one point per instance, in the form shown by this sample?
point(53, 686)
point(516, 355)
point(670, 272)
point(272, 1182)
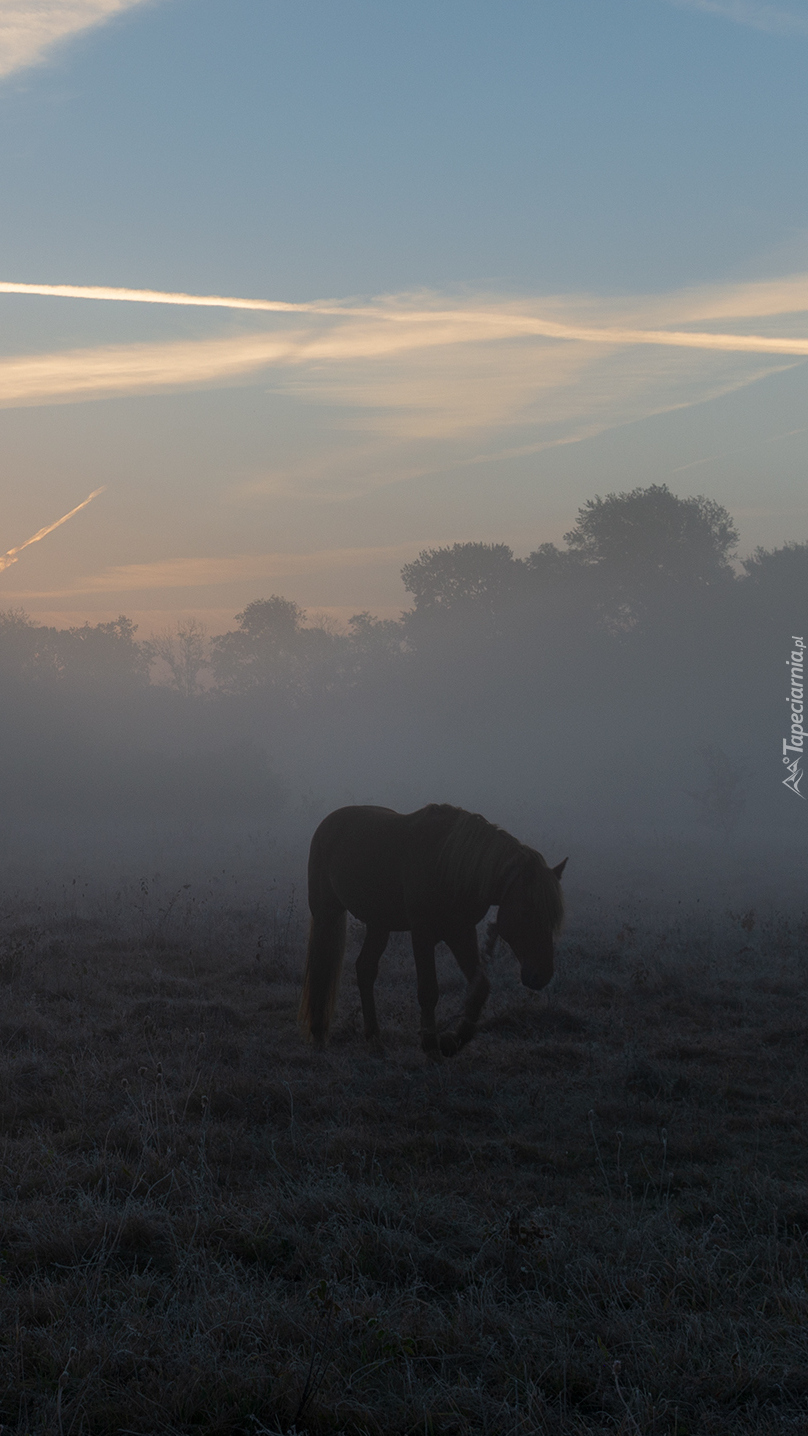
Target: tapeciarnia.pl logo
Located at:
point(796, 662)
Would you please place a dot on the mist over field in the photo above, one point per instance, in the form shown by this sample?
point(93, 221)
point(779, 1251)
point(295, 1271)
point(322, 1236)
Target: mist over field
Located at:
point(622, 699)
point(592, 1217)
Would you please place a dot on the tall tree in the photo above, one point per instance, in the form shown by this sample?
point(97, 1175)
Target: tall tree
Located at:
point(467, 575)
point(779, 574)
point(273, 648)
point(653, 555)
point(651, 534)
point(259, 651)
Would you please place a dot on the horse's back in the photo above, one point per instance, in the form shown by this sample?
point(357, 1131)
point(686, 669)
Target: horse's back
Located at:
point(350, 830)
point(362, 823)
point(370, 860)
point(352, 819)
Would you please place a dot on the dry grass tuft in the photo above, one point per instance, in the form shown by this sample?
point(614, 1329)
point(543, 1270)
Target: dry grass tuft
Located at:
point(594, 1219)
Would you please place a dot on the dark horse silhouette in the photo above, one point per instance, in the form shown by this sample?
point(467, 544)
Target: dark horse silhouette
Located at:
point(433, 873)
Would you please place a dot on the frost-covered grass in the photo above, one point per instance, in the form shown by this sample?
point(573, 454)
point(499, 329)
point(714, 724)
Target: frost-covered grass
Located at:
point(593, 1219)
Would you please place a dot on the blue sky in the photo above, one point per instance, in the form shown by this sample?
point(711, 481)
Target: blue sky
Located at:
point(458, 176)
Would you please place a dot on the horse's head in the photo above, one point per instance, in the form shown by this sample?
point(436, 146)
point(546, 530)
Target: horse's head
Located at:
point(530, 914)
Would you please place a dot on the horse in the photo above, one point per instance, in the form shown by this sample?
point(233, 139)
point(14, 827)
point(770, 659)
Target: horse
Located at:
point(433, 873)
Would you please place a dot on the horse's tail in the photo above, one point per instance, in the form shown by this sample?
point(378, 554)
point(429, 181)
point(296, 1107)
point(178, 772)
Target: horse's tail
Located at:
point(321, 980)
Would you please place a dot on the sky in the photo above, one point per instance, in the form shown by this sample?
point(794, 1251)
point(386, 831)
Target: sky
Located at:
point(463, 266)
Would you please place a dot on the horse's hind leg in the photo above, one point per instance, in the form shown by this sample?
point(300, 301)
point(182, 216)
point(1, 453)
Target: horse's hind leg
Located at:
point(464, 946)
point(367, 966)
point(423, 948)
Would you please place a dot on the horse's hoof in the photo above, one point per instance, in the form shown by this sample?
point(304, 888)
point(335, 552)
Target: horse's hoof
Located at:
point(429, 1044)
point(376, 1046)
point(449, 1044)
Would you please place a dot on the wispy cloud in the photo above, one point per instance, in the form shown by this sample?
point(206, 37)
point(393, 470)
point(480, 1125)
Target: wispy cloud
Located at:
point(436, 356)
point(409, 384)
point(226, 569)
point(776, 19)
point(76, 374)
point(410, 326)
point(30, 29)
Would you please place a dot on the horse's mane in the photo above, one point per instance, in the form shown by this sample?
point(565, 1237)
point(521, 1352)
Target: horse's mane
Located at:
point(478, 860)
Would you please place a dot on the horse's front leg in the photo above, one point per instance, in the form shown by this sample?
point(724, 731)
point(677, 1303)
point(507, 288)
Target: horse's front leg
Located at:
point(423, 948)
point(367, 966)
point(463, 944)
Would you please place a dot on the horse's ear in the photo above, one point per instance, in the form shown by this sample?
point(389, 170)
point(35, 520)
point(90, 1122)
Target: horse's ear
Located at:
point(559, 870)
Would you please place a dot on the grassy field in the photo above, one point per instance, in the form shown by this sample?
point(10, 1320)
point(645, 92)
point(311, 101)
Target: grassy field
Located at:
point(594, 1219)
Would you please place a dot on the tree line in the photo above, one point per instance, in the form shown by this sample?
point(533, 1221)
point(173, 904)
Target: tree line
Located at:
point(637, 568)
point(634, 673)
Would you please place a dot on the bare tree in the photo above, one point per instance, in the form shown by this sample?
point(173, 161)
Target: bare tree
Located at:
point(184, 651)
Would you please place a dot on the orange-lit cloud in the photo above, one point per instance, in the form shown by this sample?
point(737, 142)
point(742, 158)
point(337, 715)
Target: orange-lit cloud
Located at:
point(438, 368)
point(76, 374)
point(438, 324)
point(224, 569)
point(417, 382)
point(29, 29)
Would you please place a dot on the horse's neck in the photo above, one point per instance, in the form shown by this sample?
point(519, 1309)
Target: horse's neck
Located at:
point(478, 862)
point(506, 869)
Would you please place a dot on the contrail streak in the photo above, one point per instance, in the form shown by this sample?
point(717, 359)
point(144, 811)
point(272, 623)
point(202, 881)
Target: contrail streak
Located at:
point(502, 323)
point(156, 296)
point(10, 557)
